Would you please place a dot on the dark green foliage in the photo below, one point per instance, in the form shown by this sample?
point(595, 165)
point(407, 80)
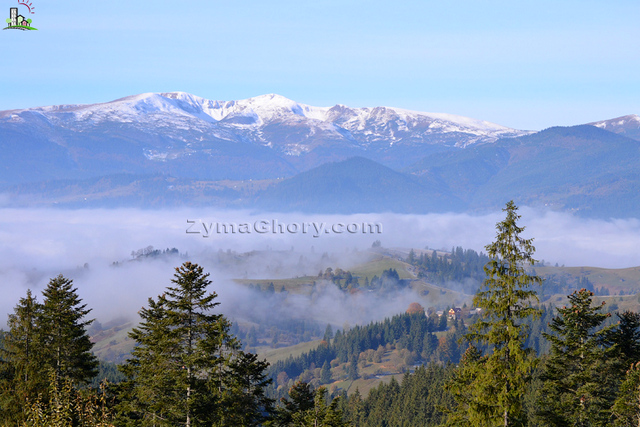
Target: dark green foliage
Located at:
point(328, 334)
point(45, 337)
point(626, 338)
point(186, 367)
point(497, 381)
point(308, 407)
point(418, 401)
point(21, 378)
point(353, 373)
point(66, 345)
point(408, 329)
point(68, 406)
point(580, 373)
point(462, 387)
point(626, 409)
point(107, 371)
point(325, 373)
point(244, 402)
point(463, 266)
point(322, 414)
point(301, 399)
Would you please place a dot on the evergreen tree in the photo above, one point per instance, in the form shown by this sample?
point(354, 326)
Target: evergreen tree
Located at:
point(625, 336)
point(328, 333)
point(499, 382)
point(66, 346)
point(67, 406)
point(186, 368)
point(22, 378)
point(325, 373)
point(579, 375)
point(321, 414)
point(461, 387)
point(353, 368)
point(301, 399)
point(245, 384)
point(626, 409)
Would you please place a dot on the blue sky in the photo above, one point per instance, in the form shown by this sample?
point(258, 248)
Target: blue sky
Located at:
point(525, 64)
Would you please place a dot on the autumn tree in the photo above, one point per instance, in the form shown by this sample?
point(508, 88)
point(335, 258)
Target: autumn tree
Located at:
point(415, 308)
point(497, 381)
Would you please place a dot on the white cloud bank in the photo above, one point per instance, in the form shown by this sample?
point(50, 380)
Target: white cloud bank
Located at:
point(37, 244)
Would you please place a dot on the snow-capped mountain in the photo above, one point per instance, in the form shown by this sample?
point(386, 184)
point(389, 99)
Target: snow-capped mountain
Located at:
point(169, 126)
point(628, 126)
point(363, 125)
point(160, 149)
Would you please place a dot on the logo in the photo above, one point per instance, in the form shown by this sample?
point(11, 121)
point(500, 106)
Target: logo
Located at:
point(19, 22)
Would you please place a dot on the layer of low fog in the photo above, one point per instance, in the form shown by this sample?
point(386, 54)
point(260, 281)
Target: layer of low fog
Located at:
point(37, 245)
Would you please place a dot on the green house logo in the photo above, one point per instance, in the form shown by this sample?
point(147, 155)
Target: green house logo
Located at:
point(18, 22)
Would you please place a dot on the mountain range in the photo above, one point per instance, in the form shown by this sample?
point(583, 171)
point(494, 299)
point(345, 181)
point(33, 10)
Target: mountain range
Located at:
point(269, 152)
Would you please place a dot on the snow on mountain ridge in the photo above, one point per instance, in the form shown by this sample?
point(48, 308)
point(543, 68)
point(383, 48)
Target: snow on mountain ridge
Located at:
point(618, 121)
point(263, 108)
point(275, 121)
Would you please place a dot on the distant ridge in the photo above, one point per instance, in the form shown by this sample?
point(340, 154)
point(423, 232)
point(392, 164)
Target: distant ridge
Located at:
point(356, 185)
point(270, 152)
point(187, 136)
point(583, 169)
point(628, 126)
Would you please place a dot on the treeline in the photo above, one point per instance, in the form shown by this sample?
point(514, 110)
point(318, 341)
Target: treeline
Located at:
point(418, 400)
point(273, 330)
point(564, 284)
point(590, 377)
point(187, 368)
point(413, 333)
point(45, 340)
point(465, 267)
point(388, 281)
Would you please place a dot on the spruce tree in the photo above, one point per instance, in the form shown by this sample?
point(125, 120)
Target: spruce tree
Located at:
point(625, 336)
point(626, 408)
point(497, 382)
point(301, 400)
point(321, 414)
point(580, 374)
point(186, 368)
point(66, 344)
point(245, 387)
point(325, 373)
point(22, 378)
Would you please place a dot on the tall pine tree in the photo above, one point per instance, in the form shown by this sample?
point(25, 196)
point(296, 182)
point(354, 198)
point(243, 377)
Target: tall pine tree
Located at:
point(580, 375)
point(66, 344)
point(186, 368)
point(497, 382)
point(22, 377)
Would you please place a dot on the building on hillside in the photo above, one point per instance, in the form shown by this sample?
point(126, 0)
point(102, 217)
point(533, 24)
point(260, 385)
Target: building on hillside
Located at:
point(455, 313)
